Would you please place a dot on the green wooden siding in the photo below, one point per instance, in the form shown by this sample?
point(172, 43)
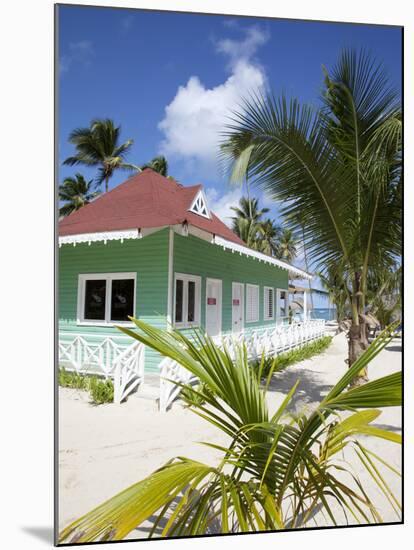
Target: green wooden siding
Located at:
point(197, 257)
point(147, 257)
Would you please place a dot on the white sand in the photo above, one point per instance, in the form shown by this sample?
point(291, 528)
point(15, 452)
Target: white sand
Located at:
point(104, 449)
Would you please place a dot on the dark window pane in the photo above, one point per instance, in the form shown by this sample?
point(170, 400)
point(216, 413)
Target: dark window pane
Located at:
point(178, 301)
point(283, 304)
point(95, 292)
point(191, 301)
point(122, 299)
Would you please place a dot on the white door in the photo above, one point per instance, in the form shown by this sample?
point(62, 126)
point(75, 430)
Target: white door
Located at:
point(237, 308)
point(213, 307)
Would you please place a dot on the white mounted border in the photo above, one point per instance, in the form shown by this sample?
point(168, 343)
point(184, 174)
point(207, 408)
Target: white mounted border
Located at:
point(234, 247)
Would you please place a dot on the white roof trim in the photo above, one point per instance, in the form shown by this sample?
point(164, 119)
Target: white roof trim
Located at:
point(234, 247)
point(200, 203)
point(103, 236)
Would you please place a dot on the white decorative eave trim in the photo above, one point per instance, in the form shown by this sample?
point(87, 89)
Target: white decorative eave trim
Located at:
point(234, 247)
point(105, 236)
point(102, 236)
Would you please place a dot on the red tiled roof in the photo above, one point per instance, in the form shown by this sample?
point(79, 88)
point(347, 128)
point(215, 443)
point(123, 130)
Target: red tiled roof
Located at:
point(143, 201)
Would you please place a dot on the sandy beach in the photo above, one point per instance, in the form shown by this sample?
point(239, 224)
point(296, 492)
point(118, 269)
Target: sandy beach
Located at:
point(103, 449)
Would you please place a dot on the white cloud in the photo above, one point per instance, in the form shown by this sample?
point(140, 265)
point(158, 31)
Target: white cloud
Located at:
point(244, 49)
point(221, 204)
point(197, 115)
point(78, 53)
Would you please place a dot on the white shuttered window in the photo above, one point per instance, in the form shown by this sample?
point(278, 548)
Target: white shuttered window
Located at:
point(268, 301)
point(252, 303)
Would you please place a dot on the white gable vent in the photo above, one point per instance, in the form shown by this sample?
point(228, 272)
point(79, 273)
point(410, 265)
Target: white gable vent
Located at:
point(199, 205)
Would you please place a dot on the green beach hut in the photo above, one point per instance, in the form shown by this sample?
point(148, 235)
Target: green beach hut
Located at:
point(151, 248)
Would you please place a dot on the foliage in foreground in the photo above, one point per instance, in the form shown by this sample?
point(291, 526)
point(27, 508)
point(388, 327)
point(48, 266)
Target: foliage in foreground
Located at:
point(100, 391)
point(278, 470)
point(284, 360)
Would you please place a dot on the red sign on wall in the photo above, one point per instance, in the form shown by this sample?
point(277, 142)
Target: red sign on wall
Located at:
point(211, 301)
point(236, 302)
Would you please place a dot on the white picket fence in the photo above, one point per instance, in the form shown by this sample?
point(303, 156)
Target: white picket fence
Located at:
point(270, 341)
point(123, 363)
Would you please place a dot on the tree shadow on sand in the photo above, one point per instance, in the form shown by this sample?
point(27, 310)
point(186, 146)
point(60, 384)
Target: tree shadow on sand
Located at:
point(310, 389)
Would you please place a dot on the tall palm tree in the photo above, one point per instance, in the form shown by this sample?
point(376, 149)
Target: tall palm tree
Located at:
point(248, 231)
point(247, 221)
point(287, 246)
point(276, 470)
point(269, 235)
point(75, 192)
point(334, 282)
point(339, 166)
point(99, 145)
point(248, 209)
point(158, 164)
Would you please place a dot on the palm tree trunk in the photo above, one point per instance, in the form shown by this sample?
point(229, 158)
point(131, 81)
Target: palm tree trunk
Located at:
point(306, 267)
point(357, 335)
point(106, 184)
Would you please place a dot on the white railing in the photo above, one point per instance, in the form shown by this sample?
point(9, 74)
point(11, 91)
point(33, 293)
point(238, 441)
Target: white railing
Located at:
point(124, 364)
point(270, 341)
point(274, 340)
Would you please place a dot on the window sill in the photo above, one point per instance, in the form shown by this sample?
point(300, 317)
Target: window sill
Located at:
point(180, 326)
point(104, 324)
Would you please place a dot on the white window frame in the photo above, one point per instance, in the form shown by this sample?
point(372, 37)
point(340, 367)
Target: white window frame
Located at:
point(278, 291)
point(109, 277)
point(186, 278)
point(257, 317)
point(266, 316)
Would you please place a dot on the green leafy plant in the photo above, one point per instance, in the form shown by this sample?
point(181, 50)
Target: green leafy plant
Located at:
point(277, 470)
point(101, 391)
point(73, 380)
point(288, 358)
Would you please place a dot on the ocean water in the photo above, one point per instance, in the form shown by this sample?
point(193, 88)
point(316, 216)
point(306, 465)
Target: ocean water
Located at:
point(328, 314)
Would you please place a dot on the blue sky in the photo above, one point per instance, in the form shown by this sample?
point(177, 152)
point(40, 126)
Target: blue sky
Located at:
point(171, 80)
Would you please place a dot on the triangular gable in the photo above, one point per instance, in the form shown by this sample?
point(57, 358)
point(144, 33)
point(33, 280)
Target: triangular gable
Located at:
point(199, 205)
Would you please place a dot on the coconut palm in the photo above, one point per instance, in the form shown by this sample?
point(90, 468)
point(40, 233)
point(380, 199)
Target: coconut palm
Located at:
point(277, 470)
point(334, 282)
point(287, 246)
point(248, 231)
point(338, 167)
point(247, 221)
point(99, 146)
point(384, 292)
point(158, 164)
point(75, 192)
point(269, 235)
point(248, 209)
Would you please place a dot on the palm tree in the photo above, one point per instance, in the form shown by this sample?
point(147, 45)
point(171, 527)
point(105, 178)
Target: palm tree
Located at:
point(338, 167)
point(248, 209)
point(287, 246)
point(277, 470)
point(99, 146)
point(248, 220)
point(76, 192)
point(269, 235)
point(334, 282)
point(158, 164)
point(248, 231)
point(384, 291)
